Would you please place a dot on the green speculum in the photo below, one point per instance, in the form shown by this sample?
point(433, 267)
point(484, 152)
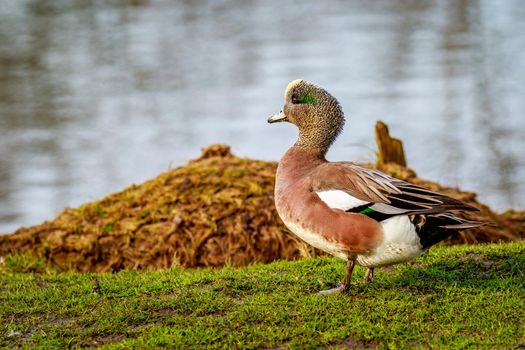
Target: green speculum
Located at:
point(366, 211)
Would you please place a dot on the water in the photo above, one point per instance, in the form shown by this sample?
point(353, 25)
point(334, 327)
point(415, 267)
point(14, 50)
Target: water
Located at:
point(96, 95)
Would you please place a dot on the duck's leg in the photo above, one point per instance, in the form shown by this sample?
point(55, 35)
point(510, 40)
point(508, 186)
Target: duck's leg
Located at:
point(345, 283)
point(369, 276)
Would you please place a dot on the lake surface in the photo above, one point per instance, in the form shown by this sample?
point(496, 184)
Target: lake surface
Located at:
point(97, 95)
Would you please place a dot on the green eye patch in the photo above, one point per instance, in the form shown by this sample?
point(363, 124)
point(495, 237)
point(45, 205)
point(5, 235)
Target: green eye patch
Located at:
point(307, 98)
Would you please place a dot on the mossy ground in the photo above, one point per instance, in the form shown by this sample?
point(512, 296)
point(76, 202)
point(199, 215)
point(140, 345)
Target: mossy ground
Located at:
point(453, 297)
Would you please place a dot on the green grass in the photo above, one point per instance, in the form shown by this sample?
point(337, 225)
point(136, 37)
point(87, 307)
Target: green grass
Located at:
point(454, 297)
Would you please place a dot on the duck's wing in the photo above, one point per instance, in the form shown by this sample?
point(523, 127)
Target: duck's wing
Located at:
point(350, 187)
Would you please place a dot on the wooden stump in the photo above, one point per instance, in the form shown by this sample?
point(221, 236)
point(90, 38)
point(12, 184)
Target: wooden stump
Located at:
point(390, 150)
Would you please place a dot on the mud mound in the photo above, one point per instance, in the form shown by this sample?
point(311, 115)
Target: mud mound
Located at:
point(214, 211)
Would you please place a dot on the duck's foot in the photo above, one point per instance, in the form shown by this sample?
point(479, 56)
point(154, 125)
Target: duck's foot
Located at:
point(338, 289)
point(344, 287)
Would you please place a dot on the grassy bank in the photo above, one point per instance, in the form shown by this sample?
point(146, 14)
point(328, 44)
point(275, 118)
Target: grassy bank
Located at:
point(461, 296)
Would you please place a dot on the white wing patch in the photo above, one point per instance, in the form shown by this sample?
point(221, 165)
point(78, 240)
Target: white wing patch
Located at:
point(338, 199)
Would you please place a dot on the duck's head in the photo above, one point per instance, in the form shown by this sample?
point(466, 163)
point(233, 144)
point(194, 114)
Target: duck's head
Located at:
point(314, 111)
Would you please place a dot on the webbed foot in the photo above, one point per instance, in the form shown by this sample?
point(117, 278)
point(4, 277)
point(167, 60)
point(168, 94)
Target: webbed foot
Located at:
point(345, 284)
point(338, 289)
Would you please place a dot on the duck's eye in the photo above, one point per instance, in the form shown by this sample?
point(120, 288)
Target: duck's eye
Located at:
point(303, 99)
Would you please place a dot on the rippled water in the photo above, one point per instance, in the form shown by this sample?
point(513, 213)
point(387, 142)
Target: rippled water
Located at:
point(96, 95)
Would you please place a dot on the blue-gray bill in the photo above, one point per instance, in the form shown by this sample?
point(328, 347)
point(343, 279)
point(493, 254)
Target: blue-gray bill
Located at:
point(279, 117)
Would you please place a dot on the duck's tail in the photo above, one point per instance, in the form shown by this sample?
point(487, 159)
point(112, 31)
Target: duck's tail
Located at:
point(435, 228)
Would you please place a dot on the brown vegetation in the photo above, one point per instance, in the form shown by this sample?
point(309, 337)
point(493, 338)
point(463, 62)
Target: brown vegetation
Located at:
point(214, 211)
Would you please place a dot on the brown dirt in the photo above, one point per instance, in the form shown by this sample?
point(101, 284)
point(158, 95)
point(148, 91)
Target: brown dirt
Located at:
point(214, 211)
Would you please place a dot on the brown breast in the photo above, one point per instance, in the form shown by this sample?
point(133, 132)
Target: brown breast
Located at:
point(296, 202)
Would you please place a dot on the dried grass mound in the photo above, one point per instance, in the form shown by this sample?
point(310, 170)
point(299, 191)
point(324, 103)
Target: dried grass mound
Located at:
point(214, 211)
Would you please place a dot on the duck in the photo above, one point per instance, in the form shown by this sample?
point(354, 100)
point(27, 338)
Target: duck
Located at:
point(355, 213)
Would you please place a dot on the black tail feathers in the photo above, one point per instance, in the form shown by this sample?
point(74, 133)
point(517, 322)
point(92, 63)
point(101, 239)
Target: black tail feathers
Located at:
point(433, 229)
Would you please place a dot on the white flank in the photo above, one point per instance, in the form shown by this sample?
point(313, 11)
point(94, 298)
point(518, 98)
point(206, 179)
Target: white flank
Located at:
point(400, 244)
point(400, 240)
point(316, 240)
point(338, 199)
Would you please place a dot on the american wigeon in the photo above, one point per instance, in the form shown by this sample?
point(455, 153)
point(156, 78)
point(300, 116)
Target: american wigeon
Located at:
point(358, 214)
